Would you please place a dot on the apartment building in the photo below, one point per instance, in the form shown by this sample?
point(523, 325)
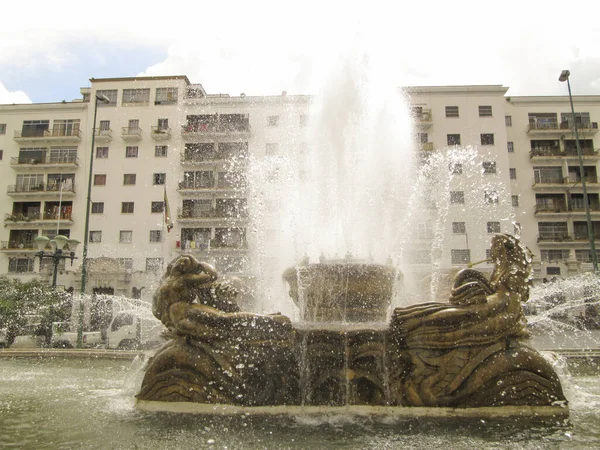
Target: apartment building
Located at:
point(163, 142)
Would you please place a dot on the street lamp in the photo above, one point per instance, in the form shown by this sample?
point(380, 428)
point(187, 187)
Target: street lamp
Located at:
point(103, 99)
point(564, 76)
point(60, 244)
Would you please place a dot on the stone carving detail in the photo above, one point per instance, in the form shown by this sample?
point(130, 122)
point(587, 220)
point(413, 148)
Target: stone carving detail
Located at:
point(468, 352)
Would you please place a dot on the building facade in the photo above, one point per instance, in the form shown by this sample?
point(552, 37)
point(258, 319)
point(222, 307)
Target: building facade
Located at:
point(164, 143)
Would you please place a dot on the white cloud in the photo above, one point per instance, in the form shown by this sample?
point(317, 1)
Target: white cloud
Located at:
point(7, 97)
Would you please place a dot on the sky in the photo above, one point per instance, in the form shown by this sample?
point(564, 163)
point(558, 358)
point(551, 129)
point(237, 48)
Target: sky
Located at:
point(265, 47)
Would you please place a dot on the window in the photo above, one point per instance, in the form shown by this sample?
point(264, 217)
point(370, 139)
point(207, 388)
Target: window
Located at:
point(131, 152)
point(490, 197)
point(95, 237)
point(154, 264)
point(555, 255)
point(304, 120)
point(125, 236)
point(155, 236)
point(133, 126)
point(100, 180)
point(456, 168)
point(129, 179)
point(20, 265)
point(160, 151)
point(485, 111)
point(508, 121)
point(157, 207)
point(273, 121)
point(423, 138)
point(511, 147)
point(104, 125)
point(272, 148)
point(166, 96)
point(459, 228)
point(101, 152)
point(2, 128)
point(127, 207)
point(163, 124)
point(97, 207)
point(451, 111)
point(493, 227)
point(159, 178)
point(424, 231)
point(1, 155)
point(453, 139)
point(487, 139)
point(460, 256)
point(552, 270)
point(515, 200)
point(111, 94)
point(136, 96)
point(489, 167)
point(513, 173)
point(457, 197)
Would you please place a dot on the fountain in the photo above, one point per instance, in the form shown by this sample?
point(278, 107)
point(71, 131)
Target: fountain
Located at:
point(467, 353)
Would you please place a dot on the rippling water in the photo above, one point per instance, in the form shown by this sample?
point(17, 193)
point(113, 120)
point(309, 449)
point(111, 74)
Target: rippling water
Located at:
point(89, 404)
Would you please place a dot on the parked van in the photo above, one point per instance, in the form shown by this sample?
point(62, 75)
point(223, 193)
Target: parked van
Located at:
point(127, 331)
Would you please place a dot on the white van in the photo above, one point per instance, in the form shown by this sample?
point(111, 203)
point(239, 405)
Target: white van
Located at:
point(127, 331)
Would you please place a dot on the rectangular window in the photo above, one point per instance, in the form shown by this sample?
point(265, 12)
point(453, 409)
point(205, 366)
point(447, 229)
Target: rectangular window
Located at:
point(160, 151)
point(493, 227)
point(1, 155)
point(127, 207)
point(129, 179)
point(166, 96)
point(487, 139)
point(2, 128)
point(508, 121)
point(513, 173)
point(101, 152)
point(457, 197)
point(136, 96)
point(515, 200)
point(125, 236)
point(552, 270)
point(104, 125)
point(456, 168)
point(490, 197)
point(485, 111)
point(157, 207)
point(97, 207)
point(131, 152)
point(163, 124)
point(20, 265)
point(155, 236)
point(111, 94)
point(460, 256)
point(555, 255)
point(272, 148)
point(453, 139)
point(459, 228)
point(489, 167)
point(511, 147)
point(451, 111)
point(154, 264)
point(100, 180)
point(423, 138)
point(95, 237)
point(159, 178)
point(273, 121)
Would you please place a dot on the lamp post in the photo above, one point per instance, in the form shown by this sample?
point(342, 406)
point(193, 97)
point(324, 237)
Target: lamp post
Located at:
point(564, 76)
point(60, 244)
point(103, 99)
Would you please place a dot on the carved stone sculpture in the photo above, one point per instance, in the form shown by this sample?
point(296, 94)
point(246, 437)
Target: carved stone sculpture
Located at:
point(467, 352)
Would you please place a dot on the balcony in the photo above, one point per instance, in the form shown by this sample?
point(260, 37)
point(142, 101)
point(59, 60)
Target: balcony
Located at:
point(422, 118)
point(131, 134)
point(160, 133)
point(18, 245)
point(206, 127)
point(236, 158)
point(554, 237)
point(48, 161)
point(54, 189)
point(50, 136)
point(550, 208)
point(425, 146)
point(186, 216)
point(102, 135)
point(551, 127)
point(37, 219)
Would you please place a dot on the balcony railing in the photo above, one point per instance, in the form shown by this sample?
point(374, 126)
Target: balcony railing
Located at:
point(426, 146)
point(211, 214)
point(549, 208)
point(42, 187)
point(55, 134)
point(220, 128)
point(17, 244)
point(131, 133)
point(102, 135)
point(554, 237)
point(30, 217)
point(54, 160)
point(197, 158)
point(160, 133)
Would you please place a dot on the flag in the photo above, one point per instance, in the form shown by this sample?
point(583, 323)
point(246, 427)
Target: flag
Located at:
point(168, 221)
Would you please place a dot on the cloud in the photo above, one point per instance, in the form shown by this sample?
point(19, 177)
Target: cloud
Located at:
point(7, 97)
